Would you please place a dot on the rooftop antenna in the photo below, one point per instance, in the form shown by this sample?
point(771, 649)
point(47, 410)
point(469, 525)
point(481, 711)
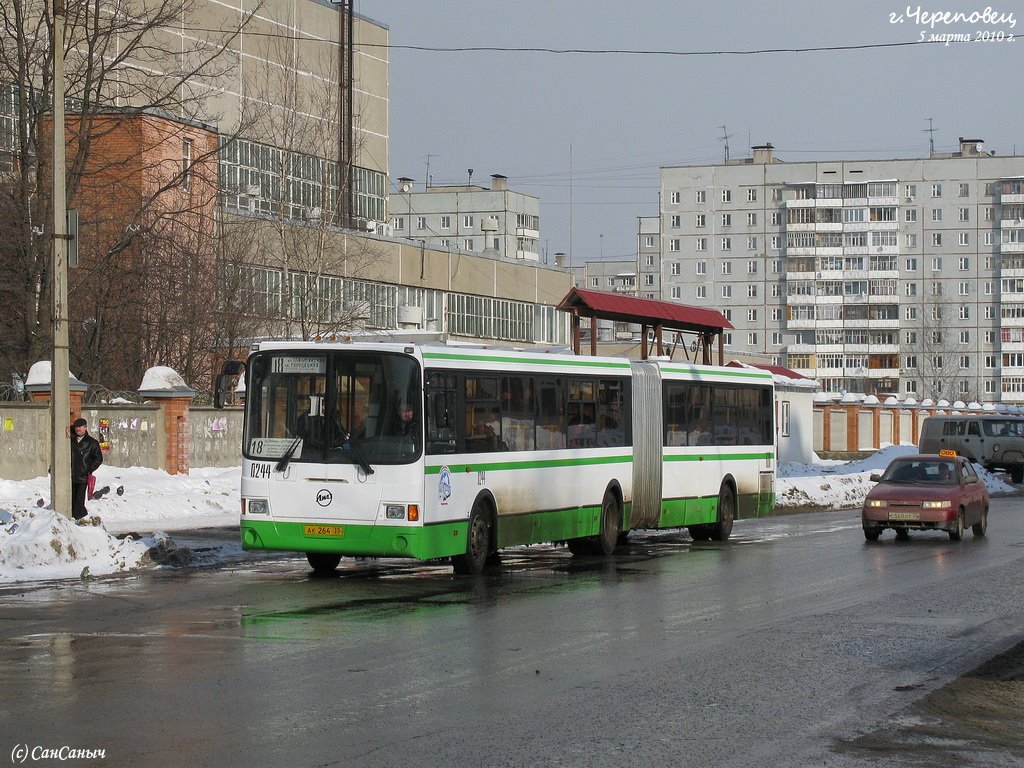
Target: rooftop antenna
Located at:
point(930, 130)
point(426, 182)
point(725, 139)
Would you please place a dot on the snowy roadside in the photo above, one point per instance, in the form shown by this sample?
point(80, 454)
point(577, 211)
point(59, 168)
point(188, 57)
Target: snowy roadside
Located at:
point(36, 544)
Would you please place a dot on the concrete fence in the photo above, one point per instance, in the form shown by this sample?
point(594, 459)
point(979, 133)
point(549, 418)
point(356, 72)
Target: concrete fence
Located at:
point(166, 435)
point(853, 427)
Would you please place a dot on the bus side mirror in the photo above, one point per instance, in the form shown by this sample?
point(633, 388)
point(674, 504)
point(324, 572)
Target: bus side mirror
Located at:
point(229, 373)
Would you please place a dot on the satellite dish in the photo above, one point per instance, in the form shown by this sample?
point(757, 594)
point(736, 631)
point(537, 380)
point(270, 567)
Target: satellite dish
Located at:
point(406, 186)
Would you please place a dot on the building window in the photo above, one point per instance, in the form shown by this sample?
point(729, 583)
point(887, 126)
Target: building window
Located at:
point(751, 315)
point(936, 190)
point(965, 190)
point(910, 289)
point(751, 243)
point(446, 222)
point(648, 279)
point(467, 222)
point(674, 267)
point(752, 291)
point(673, 245)
point(677, 292)
point(702, 267)
point(726, 243)
point(964, 238)
point(910, 241)
point(595, 282)
point(752, 195)
point(751, 267)
point(965, 337)
point(751, 219)
point(990, 238)
point(936, 238)
point(673, 198)
point(911, 265)
point(910, 191)
point(965, 312)
point(726, 219)
point(468, 244)
point(776, 314)
point(752, 339)
point(965, 214)
point(186, 164)
point(702, 244)
point(910, 215)
point(965, 288)
point(726, 195)
point(421, 222)
point(776, 242)
point(936, 214)
point(702, 291)
point(675, 221)
point(701, 220)
point(726, 267)
point(776, 219)
point(702, 196)
point(726, 291)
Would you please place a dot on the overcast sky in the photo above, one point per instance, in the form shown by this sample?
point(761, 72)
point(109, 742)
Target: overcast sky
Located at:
point(625, 115)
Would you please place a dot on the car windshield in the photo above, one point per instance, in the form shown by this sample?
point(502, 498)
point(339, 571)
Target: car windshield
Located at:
point(932, 471)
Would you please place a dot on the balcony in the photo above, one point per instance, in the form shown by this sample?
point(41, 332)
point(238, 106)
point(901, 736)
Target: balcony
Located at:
point(1011, 247)
point(1005, 198)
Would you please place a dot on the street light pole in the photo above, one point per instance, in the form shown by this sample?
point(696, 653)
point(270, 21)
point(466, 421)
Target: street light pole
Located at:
point(60, 400)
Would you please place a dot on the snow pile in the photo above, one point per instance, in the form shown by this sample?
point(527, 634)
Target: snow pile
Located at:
point(844, 484)
point(161, 377)
point(37, 543)
point(40, 544)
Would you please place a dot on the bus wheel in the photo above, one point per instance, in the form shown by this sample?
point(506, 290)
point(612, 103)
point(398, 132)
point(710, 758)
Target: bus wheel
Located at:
point(478, 542)
point(611, 520)
point(722, 528)
point(580, 547)
point(699, 532)
point(323, 563)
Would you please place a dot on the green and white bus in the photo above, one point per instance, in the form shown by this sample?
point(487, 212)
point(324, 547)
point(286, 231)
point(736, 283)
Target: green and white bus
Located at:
point(428, 451)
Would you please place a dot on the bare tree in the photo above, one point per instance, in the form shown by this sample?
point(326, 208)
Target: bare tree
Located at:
point(125, 62)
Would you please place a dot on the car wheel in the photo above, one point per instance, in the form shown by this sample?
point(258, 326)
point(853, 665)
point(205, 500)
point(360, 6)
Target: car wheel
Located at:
point(1017, 474)
point(872, 533)
point(980, 527)
point(323, 563)
point(721, 529)
point(958, 532)
point(478, 542)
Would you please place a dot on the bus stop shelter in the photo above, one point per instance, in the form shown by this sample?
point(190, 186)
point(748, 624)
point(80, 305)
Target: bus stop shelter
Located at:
point(705, 326)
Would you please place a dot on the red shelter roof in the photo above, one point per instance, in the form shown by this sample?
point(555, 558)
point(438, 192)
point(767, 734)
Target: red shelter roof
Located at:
point(630, 309)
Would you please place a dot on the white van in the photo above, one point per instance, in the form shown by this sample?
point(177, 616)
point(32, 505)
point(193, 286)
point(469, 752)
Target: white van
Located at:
point(994, 441)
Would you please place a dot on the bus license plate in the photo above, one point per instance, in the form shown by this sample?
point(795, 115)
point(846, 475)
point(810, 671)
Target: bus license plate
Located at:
point(904, 515)
point(323, 530)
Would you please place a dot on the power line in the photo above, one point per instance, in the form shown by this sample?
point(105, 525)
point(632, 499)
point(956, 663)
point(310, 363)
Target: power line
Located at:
point(573, 51)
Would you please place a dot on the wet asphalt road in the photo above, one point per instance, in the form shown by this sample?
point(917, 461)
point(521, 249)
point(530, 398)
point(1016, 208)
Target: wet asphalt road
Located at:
point(772, 650)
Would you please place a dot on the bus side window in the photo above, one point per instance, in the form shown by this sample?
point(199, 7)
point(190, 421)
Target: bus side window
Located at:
point(551, 415)
point(483, 421)
point(441, 397)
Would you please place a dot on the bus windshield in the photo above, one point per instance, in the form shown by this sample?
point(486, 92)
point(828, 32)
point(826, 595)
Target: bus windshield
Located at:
point(333, 406)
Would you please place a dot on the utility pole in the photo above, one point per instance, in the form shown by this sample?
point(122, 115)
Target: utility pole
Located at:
point(60, 400)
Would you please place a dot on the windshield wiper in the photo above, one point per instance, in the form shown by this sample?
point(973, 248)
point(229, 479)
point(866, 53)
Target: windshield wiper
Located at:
point(282, 463)
point(354, 450)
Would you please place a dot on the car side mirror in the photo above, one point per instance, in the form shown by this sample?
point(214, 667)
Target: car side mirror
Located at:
point(874, 478)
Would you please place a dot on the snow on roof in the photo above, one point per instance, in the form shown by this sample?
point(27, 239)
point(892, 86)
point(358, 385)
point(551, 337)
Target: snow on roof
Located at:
point(41, 373)
point(783, 377)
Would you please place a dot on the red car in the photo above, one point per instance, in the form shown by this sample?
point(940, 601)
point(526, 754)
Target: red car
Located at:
point(926, 492)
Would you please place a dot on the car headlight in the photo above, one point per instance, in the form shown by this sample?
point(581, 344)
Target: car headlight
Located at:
point(876, 503)
point(258, 507)
point(936, 504)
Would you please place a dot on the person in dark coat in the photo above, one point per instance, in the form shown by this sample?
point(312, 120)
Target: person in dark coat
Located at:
point(86, 458)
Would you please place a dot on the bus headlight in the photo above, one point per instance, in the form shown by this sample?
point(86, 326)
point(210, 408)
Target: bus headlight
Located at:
point(258, 507)
point(394, 511)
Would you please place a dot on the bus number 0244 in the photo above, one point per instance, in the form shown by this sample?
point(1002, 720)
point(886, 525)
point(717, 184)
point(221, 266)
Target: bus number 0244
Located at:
point(260, 471)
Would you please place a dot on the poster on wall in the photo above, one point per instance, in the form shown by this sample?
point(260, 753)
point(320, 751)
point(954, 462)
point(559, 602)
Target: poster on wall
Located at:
point(104, 435)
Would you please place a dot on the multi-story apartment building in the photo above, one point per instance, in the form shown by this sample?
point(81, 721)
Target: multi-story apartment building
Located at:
point(880, 276)
point(498, 221)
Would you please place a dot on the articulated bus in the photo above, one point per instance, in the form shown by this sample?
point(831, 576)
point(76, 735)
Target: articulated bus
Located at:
point(429, 451)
